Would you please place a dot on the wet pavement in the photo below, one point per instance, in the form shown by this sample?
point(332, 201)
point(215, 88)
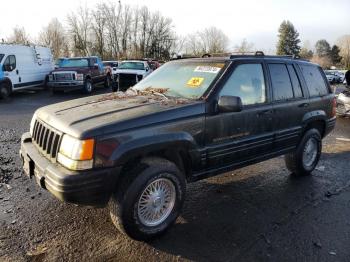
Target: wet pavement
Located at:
point(257, 213)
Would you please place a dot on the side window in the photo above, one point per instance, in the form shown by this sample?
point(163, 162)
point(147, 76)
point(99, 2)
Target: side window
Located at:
point(248, 83)
point(9, 63)
point(314, 80)
point(295, 81)
point(281, 85)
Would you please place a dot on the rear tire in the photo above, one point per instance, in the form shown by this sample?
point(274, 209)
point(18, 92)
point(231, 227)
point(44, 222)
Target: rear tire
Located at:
point(137, 196)
point(307, 154)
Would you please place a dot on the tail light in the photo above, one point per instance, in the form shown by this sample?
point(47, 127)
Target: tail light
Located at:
point(334, 107)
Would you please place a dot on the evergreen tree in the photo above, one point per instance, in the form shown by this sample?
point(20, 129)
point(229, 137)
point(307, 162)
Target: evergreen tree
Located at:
point(288, 43)
point(335, 57)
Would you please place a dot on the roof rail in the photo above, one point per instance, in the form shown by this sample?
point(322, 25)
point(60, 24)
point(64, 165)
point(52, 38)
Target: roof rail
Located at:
point(261, 54)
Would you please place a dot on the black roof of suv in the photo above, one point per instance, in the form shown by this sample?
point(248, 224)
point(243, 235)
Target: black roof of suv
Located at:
point(188, 120)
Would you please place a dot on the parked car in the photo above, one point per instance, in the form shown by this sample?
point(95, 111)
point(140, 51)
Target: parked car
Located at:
point(189, 120)
point(81, 73)
point(343, 103)
point(129, 73)
point(111, 66)
point(332, 77)
point(23, 67)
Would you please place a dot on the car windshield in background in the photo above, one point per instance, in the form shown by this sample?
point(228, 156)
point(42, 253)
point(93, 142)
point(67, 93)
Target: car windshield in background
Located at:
point(1, 56)
point(111, 64)
point(132, 65)
point(182, 79)
point(74, 63)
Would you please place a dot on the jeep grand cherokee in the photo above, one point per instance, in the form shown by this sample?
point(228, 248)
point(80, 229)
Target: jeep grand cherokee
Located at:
point(189, 120)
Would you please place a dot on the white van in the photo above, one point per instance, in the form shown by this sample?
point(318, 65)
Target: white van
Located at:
point(23, 67)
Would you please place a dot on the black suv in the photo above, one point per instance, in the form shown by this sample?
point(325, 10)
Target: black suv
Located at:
point(190, 119)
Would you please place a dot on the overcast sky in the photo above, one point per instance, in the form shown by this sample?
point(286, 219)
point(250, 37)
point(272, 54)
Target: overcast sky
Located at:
point(255, 20)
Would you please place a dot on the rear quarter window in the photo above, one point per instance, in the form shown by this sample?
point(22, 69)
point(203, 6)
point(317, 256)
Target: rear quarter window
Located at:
point(314, 80)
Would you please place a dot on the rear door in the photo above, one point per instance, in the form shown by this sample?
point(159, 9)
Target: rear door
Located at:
point(289, 104)
point(234, 137)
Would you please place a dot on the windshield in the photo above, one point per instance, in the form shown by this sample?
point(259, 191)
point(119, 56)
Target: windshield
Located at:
point(182, 79)
point(1, 56)
point(132, 65)
point(74, 63)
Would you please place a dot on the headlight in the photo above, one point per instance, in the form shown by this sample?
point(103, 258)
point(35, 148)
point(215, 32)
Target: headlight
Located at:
point(32, 122)
point(76, 154)
point(50, 77)
point(80, 77)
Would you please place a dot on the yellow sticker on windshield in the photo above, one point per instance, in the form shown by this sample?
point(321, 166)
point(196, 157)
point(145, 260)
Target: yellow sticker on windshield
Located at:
point(195, 82)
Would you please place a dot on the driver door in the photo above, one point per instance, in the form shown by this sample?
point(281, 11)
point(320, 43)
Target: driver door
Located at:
point(235, 137)
point(10, 70)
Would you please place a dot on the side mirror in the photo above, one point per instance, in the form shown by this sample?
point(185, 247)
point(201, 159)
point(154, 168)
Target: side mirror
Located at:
point(147, 69)
point(95, 66)
point(230, 104)
point(8, 68)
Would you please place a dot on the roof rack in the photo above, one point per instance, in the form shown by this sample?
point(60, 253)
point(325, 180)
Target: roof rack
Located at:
point(261, 54)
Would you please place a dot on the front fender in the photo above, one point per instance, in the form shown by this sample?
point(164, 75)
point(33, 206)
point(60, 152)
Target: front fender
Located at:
point(145, 145)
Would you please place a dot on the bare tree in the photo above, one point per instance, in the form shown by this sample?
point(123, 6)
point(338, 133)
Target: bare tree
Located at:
point(344, 44)
point(79, 29)
point(19, 36)
point(210, 40)
point(244, 47)
point(126, 29)
point(112, 12)
point(99, 22)
point(53, 36)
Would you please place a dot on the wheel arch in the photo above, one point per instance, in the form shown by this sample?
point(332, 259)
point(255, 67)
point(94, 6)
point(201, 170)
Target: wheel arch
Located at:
point(177, 148)
point(317, 120)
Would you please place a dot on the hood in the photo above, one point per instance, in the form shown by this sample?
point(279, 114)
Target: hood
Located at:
point(131, 71)
point(105, 114)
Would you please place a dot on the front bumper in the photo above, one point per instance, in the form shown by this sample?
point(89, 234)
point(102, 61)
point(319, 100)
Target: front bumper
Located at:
point(91, 187)
point(63, 86)
point(343, 109)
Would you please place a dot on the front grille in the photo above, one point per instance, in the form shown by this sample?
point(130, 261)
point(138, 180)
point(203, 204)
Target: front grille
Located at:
point(46, 140)
point(126, 80)
point(63, 76)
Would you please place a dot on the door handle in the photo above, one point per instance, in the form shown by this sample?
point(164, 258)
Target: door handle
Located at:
point(303, 105)
point(265, 112)
point(17, 72)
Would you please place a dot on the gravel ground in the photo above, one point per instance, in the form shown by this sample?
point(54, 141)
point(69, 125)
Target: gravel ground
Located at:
point(258, 213)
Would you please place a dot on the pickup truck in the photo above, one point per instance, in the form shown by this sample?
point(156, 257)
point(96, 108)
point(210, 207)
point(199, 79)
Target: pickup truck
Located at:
point(81, 73)
point(135, 151)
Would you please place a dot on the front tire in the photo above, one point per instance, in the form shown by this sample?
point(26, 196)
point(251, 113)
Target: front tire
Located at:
point(4, 91)
point(88, 87)
point(305, 158)
point(149, 199)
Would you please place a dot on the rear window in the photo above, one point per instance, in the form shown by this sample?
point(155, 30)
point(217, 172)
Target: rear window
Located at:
point(314, 80)
point(281, 85)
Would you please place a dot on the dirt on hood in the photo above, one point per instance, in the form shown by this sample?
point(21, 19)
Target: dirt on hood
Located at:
point(147, 95)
